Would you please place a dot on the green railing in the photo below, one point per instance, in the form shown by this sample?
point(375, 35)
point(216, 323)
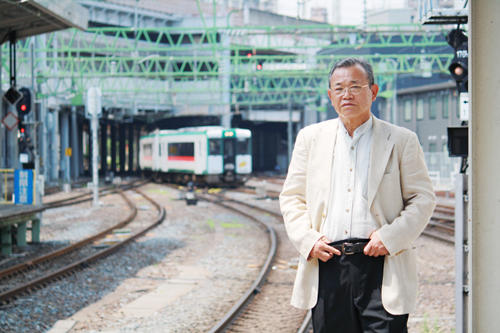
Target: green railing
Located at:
point(232, 65)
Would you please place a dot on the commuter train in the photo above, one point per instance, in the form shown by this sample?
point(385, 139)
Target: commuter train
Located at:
point(209, 154)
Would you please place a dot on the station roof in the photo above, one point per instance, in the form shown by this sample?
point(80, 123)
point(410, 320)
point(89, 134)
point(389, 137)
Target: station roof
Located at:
point(29, 17)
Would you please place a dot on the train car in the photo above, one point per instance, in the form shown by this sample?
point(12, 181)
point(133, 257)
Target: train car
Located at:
point(209, 154)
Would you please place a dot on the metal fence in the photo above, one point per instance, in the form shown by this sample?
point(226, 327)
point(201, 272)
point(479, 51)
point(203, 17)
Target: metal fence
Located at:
point(442, 169)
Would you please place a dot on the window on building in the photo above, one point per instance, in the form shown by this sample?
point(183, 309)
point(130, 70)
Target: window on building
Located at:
point(420, 108)
point(432, 147)
point(407, 110)
point(432, 107)
point(445, 105)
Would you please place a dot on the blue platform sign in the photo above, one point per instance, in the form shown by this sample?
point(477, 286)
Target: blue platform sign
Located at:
point(23, 187)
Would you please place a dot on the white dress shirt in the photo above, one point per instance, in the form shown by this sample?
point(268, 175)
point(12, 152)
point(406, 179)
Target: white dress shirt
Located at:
point(348, 214)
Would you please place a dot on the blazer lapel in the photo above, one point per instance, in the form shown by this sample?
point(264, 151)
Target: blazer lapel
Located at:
point(381, 148)
point(326, 142)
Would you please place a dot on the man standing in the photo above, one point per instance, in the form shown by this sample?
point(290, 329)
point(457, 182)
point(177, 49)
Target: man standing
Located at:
point(356, 196)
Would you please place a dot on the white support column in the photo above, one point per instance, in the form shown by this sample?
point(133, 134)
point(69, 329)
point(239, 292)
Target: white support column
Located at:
point(94, 108)
point(43, 141)
point(75, 156)
point(65, 159)
point(484, 157)
point(55, 142)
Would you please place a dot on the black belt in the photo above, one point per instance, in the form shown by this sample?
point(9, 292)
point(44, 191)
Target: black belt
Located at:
point(349, 247)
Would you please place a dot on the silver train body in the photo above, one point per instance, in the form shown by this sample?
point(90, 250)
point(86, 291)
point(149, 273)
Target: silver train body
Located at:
point(210, 154)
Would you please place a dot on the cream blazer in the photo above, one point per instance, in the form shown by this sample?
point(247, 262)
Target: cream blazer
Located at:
point(400, 197)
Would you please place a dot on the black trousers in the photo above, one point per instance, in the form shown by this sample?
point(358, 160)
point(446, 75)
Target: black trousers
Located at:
point(349, 297)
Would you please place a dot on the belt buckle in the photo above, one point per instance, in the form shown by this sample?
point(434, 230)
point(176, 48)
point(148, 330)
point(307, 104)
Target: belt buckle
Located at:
point(347, 249)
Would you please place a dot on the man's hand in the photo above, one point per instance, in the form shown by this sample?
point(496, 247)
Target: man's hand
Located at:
point(375, 247)
point(322, 250)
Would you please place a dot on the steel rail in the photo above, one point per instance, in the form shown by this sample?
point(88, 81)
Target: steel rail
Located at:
point(440, 208)
point(435, 224)
point(440, 225)
point(31, 263)
point(441, 213)
point(236, 309)
point(69, 201)
point(84, 262)
point(57, 253)
point(439, 236)
point(306, 323)
point(304, 327)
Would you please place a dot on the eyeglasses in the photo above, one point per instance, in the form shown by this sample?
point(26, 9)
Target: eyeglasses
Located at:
point(353, 90)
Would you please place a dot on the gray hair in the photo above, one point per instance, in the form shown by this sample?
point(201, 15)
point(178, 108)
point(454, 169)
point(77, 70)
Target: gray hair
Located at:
point(349, 62)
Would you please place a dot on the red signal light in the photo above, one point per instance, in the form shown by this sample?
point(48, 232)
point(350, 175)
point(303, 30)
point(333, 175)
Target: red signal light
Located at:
point(458, 71)
point(23, 107)
point(21, 130)
point(249, 55)
point(259, 67)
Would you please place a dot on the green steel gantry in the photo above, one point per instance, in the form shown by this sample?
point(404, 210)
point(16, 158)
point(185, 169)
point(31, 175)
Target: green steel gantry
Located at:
point(239, 66)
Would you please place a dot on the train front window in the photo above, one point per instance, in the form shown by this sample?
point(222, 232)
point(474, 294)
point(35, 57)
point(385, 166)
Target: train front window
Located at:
point(243, 146)
point(228, 147)
point(214, 146)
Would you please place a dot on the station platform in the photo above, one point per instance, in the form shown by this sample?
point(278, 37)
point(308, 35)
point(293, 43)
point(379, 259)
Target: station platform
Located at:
point(17, 220)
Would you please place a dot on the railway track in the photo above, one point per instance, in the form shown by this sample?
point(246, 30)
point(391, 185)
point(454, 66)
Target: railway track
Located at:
point(88, 196)
point(40, 271)
point(262, 305)
point(441, 227)
point(442, 224)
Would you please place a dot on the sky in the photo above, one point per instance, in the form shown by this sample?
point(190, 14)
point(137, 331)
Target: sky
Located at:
point(351, 11)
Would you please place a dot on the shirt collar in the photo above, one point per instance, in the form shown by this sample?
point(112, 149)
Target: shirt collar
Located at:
point(358, 132)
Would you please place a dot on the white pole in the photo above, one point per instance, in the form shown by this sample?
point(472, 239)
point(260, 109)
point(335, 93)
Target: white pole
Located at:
point(484, 157)
point(95, 175)
point(94, 109)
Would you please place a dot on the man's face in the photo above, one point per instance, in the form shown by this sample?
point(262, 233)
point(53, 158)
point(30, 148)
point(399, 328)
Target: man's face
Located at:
point(352, 104)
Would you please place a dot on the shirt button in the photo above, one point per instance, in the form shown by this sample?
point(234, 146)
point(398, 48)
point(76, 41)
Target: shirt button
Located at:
point(352, 148)
point(350, 169)
point(345, 232)
point(347, 210)
point(348, 190)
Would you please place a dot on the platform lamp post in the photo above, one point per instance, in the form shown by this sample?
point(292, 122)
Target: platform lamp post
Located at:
point(94, 111)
